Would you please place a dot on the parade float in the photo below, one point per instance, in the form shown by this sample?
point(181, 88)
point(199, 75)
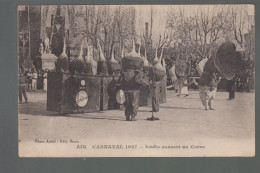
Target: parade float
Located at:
point(76, 85)
point(72, 89)
point(77, 90)
point(84, 80)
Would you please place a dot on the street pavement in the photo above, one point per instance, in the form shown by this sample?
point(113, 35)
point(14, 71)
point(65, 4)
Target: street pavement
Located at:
point(182, 121)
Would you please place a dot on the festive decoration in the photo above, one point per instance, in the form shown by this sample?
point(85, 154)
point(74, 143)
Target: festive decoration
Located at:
point(102, 63)
point(155, 60)
point(147, 64)
point(164, 64)
point(227, 60)
point(88, 60)
point(132, 60)
point(113, 65)
point(201, 65)
point(63, 61)
point(158, 70)
point(78, 65)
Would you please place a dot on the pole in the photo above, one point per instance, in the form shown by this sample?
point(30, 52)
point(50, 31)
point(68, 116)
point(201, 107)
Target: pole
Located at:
point(151, 87)
point(29, 33)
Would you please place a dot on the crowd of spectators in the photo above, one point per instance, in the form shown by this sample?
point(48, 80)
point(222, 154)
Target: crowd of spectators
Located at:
point(245, 78)
point(36, 80)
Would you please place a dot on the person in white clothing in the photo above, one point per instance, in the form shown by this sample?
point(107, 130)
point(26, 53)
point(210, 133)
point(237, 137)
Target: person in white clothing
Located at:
point(29, 81)
point(45, 80)
point(34, 80)
point(184, 89)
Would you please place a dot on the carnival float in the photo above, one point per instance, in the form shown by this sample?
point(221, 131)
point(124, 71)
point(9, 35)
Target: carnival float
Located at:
point(86, 81)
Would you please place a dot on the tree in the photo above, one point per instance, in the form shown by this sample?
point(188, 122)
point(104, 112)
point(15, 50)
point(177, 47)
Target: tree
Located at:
point(199, 28)
point(109, 26)
point(242, 29)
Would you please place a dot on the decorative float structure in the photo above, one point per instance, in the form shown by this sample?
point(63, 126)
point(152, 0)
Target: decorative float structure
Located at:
point(74, 88)
point(62, 64)
point(158, 70)
point(147, 64)
point(102, 63)
point(89, 61)
point(71, 89)
point(132, 60)
point(78, 64)
point(113, 65)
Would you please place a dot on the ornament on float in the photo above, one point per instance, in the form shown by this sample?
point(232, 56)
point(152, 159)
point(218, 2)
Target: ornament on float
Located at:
point(78, 64)
point(113, 65)
point(132, 60)
point(102, 63)
point(62, 64)
point(227, 60)
point(158, 70)
point(88, 69)
point(147, 64)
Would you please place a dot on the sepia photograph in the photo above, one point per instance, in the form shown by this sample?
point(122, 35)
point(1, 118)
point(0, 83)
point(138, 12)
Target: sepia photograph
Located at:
point(136, 80)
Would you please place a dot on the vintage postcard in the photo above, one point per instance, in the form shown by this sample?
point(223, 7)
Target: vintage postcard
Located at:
point(136, 80)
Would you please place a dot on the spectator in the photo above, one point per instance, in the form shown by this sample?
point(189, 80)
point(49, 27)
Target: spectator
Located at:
point(29, 81)
point(40, 80)
point(231, 88)
point(45, 80)
point(34, 80)
point(239, 84)
point(22, 87)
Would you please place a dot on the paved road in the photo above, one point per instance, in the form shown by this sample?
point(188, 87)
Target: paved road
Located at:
point(229, 128)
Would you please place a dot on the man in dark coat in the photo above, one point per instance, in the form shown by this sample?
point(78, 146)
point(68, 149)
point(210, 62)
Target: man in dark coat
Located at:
point(131, 82)
point(22, 87)
point(132, 79)
point(231, 88)
point(112, 89)
point(57, 37)
point(155, 92)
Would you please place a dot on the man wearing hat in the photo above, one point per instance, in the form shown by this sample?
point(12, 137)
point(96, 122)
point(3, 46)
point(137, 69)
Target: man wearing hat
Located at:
point(57, 36)
point(226, 63)
point(231, 88)
point(22, 87)
point(130, 83)
point(155, 94)
point(34, 80)
point(112, 89)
